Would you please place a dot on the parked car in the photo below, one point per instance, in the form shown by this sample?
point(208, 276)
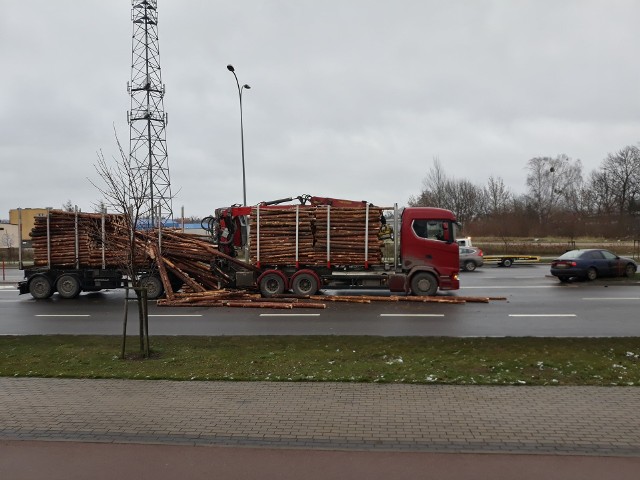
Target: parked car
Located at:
point(591, 264)
point(471, 258)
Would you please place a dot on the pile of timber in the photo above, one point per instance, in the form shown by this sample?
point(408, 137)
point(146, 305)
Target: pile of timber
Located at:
point(54, 241)
point(237, 298)
point(273, 238)
point(301, 234)
point(189, 259)
point(352, 237)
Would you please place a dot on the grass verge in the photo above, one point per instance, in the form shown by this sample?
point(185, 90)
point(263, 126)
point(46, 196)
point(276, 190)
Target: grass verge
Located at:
point(437, 360)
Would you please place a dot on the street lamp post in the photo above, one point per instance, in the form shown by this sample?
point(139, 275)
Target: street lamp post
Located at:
point(240, 89)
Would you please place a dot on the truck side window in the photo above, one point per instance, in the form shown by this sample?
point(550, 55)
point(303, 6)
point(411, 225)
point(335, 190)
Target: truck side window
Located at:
point(430, 229)
point(420, 228)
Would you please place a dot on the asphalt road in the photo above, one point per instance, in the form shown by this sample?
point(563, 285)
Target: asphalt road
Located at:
point(535, 305)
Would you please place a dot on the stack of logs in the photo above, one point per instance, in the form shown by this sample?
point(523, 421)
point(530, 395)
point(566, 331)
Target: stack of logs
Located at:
point(63, 251)
point(351, 241)
point(273, 235)
point(348, 236)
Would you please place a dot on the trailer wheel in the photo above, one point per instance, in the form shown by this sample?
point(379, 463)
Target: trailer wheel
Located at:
point(68, 286)
point(271, 284)
point(507, 262)
point(424, 284)
point(154, 286)
point(304, 284)
point(40, 287)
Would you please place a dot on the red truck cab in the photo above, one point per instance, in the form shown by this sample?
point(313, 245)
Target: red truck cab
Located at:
point(427, 244)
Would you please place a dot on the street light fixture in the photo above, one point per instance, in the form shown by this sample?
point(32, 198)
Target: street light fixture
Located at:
point(240, 89)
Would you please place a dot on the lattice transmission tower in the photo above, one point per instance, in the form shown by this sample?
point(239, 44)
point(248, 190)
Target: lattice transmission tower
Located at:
point(147, 119)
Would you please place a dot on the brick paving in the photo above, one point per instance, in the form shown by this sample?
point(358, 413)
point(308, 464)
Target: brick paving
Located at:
point(343, 416)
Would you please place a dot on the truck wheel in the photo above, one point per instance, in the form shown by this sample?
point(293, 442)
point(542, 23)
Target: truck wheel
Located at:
point(68, 286)
point(40, 287)
point(424, 284)
point(271, 284)
point(469, 265)
point(154, 286)
point(507, 262)
point(304, 284)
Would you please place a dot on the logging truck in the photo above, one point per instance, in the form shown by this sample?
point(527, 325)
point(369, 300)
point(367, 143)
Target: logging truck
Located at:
point(333, 244)
point(320, 243)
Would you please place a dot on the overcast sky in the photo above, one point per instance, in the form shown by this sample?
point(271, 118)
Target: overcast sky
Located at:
point(349, 98)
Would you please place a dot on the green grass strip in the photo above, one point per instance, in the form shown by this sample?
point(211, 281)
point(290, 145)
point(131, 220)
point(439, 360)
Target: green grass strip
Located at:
point(426, 360)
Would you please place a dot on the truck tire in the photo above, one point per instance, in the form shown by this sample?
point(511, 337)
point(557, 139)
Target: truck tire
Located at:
point(469, 265)
point(507, 262)
point(68, 286)
point(424, 284)
point(304, 284)
point(271, 284)
point(154, 286)
point(40, 287)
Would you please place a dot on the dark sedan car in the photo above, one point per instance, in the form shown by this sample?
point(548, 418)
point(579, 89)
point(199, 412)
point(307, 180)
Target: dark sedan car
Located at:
point(591, 264)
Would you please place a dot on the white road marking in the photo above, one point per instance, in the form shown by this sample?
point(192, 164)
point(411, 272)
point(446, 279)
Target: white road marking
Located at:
point(63, 315)
point(183, 315)
point(511, 286)
point(289, 314)
point(412, 315)
point(611, 298)
point(542, 314)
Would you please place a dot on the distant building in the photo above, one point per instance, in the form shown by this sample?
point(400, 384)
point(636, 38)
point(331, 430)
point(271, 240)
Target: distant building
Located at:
point(27, 217)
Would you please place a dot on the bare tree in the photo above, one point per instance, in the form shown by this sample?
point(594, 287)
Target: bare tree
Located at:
point(125, 191)
point(622, 170)
point(465, 199)
point(551, 182)
point(6, 240)
point(597, 196)
point(435, 188)
point(497, 196)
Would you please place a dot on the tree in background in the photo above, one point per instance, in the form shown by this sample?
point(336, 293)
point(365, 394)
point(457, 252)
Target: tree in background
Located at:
point(497, 196)
point(622, 172)
point(551, 184)
point(558, 200)
point(434, 188)
point(462, 197)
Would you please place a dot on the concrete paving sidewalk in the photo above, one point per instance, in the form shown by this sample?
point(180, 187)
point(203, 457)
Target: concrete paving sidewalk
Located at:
point(591, 421)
